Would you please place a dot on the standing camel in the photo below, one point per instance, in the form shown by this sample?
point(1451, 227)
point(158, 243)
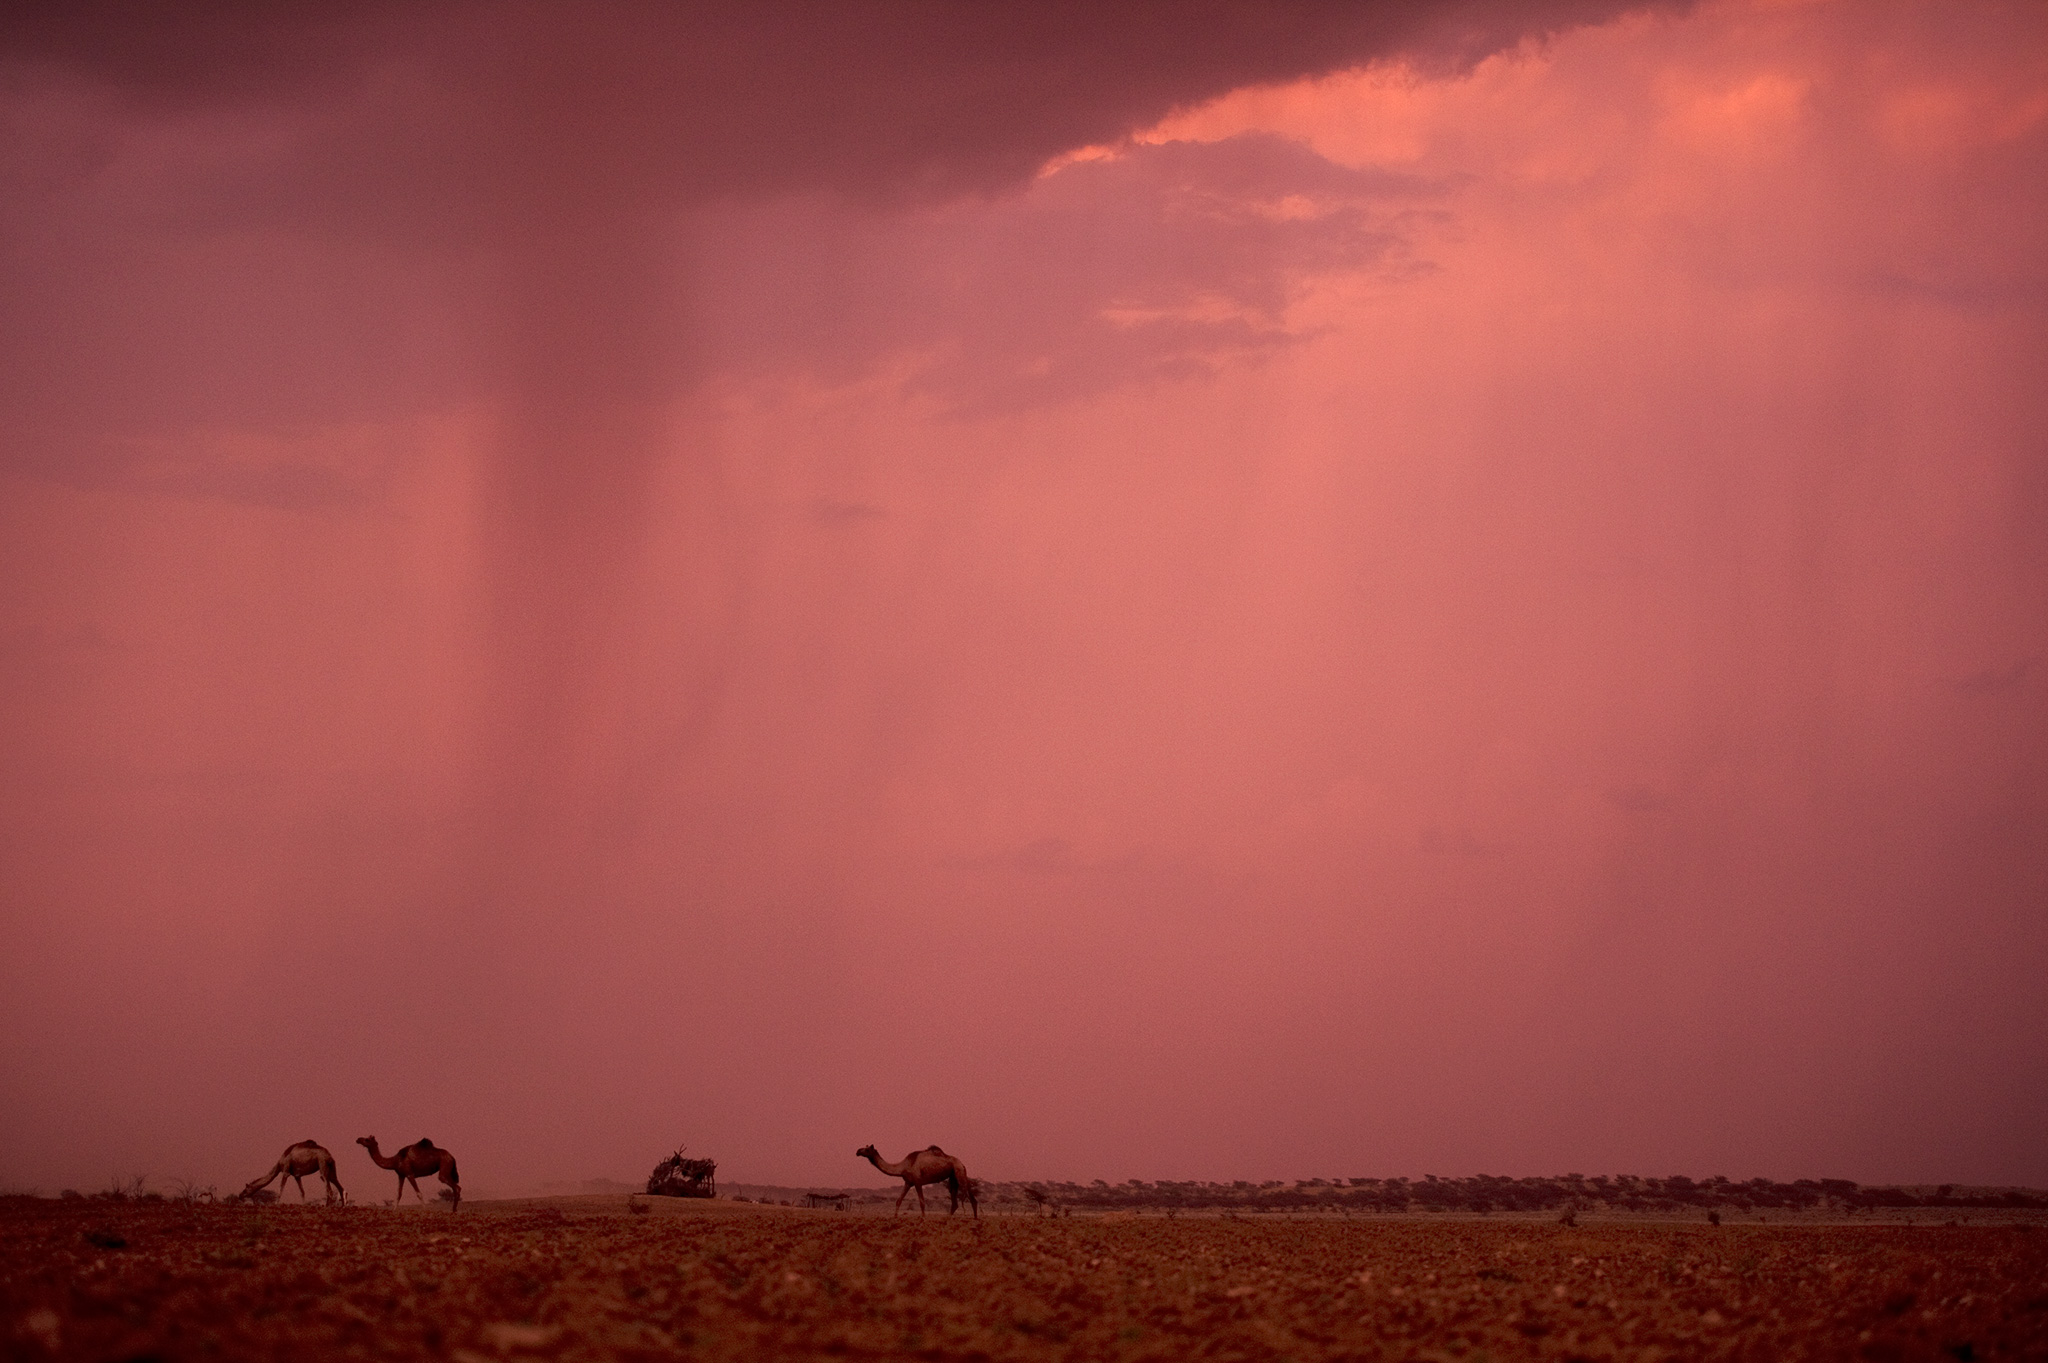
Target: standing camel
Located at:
point(297, 1161)
point(421, 1157)
point(929, 1165)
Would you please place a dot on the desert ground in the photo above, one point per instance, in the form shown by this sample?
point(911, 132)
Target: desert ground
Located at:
point(589, 1278)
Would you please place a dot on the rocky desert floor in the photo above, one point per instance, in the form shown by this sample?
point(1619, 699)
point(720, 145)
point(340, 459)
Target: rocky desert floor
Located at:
point(587, 1278)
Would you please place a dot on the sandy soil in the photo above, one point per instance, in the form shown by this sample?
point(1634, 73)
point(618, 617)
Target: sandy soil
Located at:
point(581, 1278)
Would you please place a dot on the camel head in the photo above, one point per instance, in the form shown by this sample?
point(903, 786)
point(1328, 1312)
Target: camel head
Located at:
point(367, 1142)
point(865, 1152)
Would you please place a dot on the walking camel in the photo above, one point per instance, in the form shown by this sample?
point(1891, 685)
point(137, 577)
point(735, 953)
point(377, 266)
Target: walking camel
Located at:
point(929, 1165)
point(411, 1161)
point(297, 1161)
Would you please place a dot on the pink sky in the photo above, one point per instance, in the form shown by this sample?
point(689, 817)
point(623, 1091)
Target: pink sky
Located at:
point(1307, 591)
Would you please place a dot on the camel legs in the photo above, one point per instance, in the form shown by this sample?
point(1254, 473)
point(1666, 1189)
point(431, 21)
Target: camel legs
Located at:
point(908, 1188)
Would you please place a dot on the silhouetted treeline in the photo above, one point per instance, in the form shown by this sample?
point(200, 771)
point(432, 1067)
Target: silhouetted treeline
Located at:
point(1489, 1193)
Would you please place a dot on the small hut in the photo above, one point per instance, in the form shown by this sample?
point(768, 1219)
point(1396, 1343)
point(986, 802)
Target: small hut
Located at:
point(681, 1176)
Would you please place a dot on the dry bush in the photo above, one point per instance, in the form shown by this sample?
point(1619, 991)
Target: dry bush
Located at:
point(186, 1190)
point(125, 1189)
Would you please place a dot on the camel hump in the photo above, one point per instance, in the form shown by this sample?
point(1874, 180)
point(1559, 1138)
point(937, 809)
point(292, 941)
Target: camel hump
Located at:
point(933, 1150)
point(423, 1144)
point(309, 1141)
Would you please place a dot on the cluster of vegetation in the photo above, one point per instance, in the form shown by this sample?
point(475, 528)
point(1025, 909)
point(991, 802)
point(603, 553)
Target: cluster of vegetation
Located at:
point(1485, 1193)
point(136, 1189)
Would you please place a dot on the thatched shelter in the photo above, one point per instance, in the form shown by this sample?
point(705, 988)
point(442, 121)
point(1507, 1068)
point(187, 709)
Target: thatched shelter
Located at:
point(680, 1176)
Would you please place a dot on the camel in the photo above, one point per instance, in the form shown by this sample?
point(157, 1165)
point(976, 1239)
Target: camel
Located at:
point(929, 1165)
point(297, 1161)
point(421, 1157)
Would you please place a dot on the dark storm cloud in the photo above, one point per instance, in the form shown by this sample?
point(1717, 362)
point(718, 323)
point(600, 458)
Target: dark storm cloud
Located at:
point(866, 97)
point(200, 204)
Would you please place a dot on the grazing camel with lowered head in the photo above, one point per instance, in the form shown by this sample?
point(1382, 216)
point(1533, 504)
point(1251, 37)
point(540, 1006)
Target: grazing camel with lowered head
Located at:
point(297, 1161)
point(929, 1165)
point(421, 1157)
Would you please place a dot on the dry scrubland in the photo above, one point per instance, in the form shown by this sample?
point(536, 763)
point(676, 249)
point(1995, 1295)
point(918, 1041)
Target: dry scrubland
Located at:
point(581, 1278)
